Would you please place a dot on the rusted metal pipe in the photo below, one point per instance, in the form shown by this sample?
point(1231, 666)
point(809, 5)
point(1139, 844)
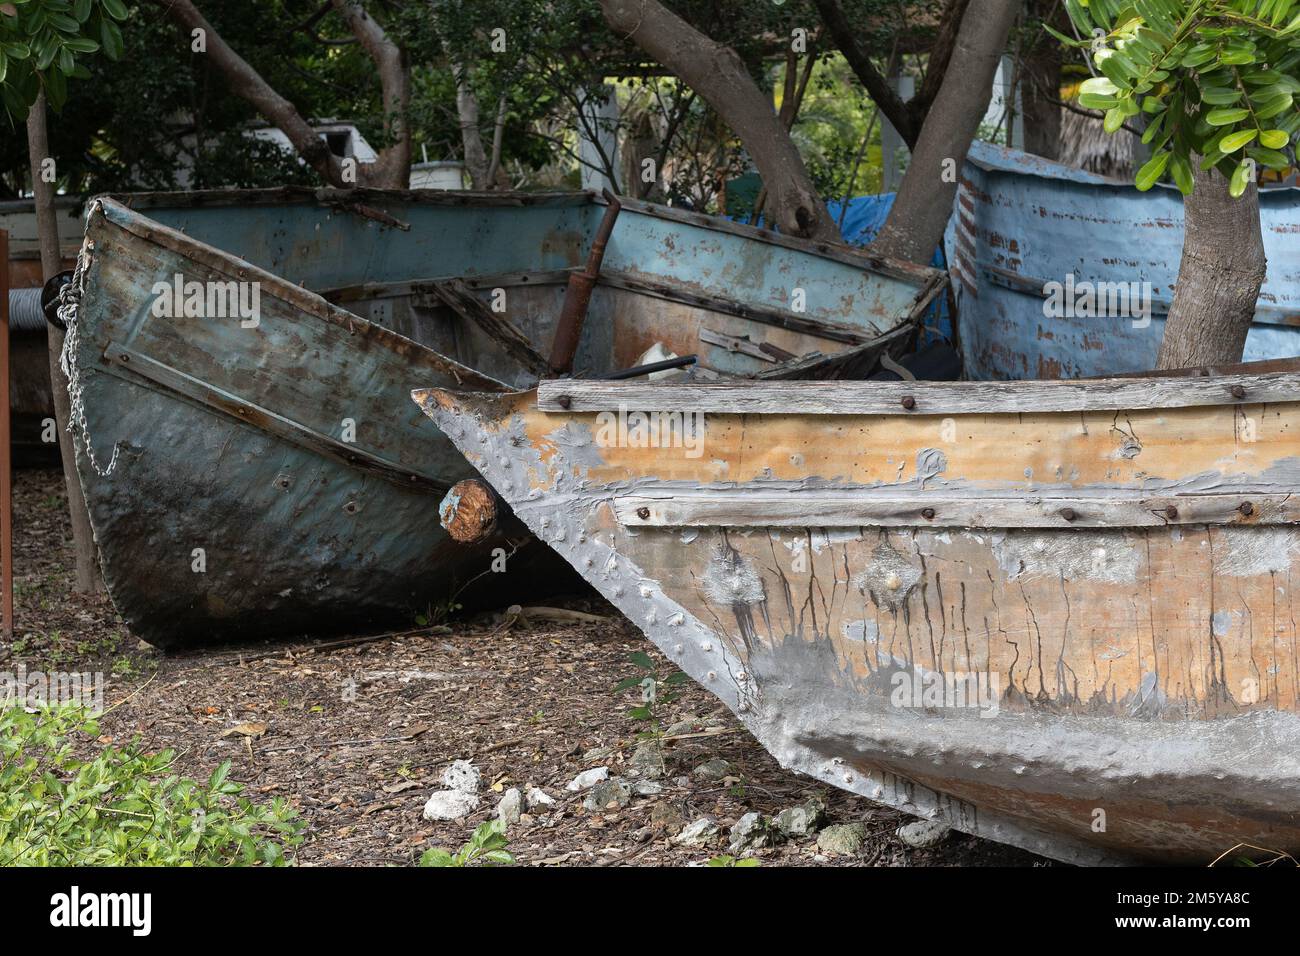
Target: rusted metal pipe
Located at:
point(6, 472)
point(578, 296)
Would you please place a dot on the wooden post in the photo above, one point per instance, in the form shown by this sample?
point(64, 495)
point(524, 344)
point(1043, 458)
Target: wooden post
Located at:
point(6, 473)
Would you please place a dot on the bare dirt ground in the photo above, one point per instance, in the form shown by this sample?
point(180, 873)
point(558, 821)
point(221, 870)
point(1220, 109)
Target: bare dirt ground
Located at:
point(356, 735)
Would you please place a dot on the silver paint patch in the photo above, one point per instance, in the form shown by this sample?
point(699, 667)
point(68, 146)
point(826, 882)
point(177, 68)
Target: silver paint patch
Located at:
point(1247, 552)
point(1087, 555)
point(731, 579)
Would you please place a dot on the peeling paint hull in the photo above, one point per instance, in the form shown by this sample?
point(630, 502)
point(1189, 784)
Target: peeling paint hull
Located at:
point(1072, 630)
point(1021, 222)
point(272, 477)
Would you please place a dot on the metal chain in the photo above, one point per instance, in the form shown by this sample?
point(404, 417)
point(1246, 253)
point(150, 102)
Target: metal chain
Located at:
point(69, 303)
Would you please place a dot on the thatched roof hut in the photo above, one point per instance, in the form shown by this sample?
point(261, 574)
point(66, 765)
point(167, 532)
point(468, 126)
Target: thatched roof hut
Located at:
point(1085, 144)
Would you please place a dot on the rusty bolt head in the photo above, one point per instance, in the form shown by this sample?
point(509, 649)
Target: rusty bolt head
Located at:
point(1238, 392)
point(643, 513)
point(909, 402)
point(1171, 512)
point(1068, 514)
point(563, 401)
point(1246, 508)
point(927, 514)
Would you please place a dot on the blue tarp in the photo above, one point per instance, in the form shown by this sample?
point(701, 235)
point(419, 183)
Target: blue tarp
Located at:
point(865, 216)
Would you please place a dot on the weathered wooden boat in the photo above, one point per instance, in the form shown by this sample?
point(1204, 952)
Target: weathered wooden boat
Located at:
point(1056, 614)
point(243, 361)
point(1060, 273)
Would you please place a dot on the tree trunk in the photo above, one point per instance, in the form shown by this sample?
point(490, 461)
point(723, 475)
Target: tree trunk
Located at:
point(1040, 84)
point(1219, 277)
point(47, 230)
point(923, 205)
point(718, 75)
point(471, 134)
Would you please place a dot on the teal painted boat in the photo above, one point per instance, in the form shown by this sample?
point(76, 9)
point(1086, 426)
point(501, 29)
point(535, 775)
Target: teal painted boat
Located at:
point(241, 364)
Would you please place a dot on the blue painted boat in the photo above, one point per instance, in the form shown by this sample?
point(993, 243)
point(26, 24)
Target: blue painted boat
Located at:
point(1022, 223)
point(251, 460)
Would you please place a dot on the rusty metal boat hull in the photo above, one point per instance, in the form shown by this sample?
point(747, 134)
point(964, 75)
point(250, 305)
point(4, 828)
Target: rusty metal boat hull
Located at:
point(1060, 615)
point(272, 477)
point(1022, 223)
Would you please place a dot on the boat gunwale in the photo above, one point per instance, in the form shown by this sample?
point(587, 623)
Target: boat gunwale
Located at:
point(1055, 171)
point(914, 398)
point(304, 300)
point(327, 196)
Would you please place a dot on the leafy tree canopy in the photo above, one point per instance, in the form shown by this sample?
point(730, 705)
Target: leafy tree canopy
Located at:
point(1215, 79)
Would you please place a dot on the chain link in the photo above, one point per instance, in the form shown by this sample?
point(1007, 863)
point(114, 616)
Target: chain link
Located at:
point(69, 304)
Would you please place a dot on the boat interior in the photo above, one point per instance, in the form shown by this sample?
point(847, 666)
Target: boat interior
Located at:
point(482, 278)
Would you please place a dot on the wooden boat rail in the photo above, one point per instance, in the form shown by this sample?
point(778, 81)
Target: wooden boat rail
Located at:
point(797, 508)
point(921, 398)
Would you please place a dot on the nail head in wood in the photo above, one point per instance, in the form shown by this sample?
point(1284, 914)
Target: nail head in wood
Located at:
point(1246, 508)
point(927, 514)
point(1171, 512)
point(909, 402)
point(563, 401)
point(643, 513)
point(1068, 514)
point(1238, 392)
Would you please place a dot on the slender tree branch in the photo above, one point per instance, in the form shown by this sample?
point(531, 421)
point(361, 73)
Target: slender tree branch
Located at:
point(845, 38)
point(247, 83)
point(393, 168)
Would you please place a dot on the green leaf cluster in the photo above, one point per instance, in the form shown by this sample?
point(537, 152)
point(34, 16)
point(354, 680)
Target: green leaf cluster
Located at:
point(1215, 79)
point(122, 806)
point(487, 847)
point(43, 43)
point(656, 691)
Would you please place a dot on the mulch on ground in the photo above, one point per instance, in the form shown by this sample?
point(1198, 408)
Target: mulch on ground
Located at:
point(356, 735)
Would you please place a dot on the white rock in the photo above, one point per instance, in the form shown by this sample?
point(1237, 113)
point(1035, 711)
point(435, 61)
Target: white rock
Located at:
point(587, 779)
point(536, 798)
point(511, 807)
point(463, 776)
point(700, 832)
point(450, 805)
point(922, 834)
